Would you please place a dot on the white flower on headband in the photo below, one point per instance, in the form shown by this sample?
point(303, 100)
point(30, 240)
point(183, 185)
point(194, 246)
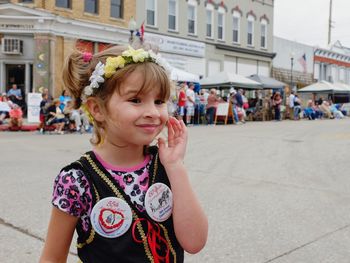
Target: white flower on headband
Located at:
point(97, 75)
point(157, 58)
point(95, 78)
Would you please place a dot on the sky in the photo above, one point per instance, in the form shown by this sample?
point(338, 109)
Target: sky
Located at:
point(306, 21)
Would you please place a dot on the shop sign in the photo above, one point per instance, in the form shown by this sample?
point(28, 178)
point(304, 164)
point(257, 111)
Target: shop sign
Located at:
point(16, 27)
point(34, 100)
point(177, 45)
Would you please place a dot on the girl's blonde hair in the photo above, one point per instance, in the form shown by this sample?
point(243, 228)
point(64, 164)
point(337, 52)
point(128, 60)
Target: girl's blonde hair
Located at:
point(77, 71)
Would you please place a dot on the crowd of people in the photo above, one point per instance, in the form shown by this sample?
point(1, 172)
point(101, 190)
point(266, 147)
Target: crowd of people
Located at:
point(11, 104)
point(193, 106)
point(315, 109)
point(57, 115)
point(200, 107)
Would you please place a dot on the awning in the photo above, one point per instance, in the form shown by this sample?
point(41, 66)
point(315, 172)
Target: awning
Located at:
point(324, 87)
point(342, 87)
point(227, 80)
point(267, 82)
point(181, 75)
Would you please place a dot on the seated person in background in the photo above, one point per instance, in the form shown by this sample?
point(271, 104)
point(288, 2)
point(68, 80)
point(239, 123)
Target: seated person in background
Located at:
point(5, 108)
point(309, 111)
point(340, 106)
point(15, 95)
point(64, 98)
point(16, 116)
point(325, 108)
point(57, 117)
point(78, 116)
point(318, 112)
point(336, 113)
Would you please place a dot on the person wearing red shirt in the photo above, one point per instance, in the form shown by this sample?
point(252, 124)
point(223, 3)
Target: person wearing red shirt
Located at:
point(16, 116)
point(181, 102)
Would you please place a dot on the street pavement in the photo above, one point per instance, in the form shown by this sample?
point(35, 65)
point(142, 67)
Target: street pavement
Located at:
point(273, 191)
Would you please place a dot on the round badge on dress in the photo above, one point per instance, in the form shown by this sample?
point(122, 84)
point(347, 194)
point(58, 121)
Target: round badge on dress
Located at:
point(159, 202)
point(111, 217)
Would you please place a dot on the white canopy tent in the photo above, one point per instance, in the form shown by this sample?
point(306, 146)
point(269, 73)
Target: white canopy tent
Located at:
point(343, 87)
point(325, 87)
point(227, 80)
point(181, 75)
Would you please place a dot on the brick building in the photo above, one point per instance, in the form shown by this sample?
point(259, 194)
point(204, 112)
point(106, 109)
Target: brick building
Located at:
point(36, 36)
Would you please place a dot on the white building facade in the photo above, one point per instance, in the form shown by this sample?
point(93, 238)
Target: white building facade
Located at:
point(332, 64)
point(294, 62)
point(206, 37)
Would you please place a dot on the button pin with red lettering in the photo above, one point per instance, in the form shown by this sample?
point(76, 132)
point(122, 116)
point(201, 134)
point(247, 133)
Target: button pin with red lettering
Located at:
point(159, 202)
point(111, 217)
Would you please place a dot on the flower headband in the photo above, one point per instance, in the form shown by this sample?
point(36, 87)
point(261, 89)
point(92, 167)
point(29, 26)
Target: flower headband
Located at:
point(129, 56)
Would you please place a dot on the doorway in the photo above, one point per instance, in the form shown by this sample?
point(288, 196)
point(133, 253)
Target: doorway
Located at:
point(15, 74)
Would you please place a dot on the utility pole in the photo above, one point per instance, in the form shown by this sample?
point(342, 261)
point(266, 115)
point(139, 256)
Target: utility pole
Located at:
point(330, 22)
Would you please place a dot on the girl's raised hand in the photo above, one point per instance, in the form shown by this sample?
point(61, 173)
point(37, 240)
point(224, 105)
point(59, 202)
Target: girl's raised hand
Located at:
point(173, 153)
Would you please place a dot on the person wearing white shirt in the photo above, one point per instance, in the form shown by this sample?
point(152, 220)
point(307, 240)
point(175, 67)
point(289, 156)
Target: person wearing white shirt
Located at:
point(5, 108)
point(190, 103)
point(291, 105)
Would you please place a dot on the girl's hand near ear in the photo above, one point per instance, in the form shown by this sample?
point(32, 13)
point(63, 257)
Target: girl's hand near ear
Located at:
point(190, 222)
point(174, 153)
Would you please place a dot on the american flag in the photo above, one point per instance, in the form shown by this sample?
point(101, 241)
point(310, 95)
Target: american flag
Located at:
point(302, 61)
point(142, 31)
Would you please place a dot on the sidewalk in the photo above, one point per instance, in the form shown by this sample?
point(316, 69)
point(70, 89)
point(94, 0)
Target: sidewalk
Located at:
point(27, 126)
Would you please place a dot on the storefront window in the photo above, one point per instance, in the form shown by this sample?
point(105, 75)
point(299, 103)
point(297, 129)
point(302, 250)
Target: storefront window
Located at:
point(91, 6)
point(117, 8)
point(63, 3)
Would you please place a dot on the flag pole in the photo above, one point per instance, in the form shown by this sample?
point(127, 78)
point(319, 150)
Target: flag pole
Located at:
point(330, 22)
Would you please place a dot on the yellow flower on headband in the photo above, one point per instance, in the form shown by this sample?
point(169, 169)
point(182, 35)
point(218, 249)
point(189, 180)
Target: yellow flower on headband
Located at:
point(112, 64)
point(138, 55)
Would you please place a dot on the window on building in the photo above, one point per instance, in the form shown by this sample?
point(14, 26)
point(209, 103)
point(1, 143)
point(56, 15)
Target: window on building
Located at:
point(91, 6)
point(209, 20)
point(221, 23)
point(263, 33)
point(236, 24)
point(172, 14)
point(151, 12)
point(250, 31)
point(192, 16)
point(117, 8)
point(27, 1)
point(64, 3)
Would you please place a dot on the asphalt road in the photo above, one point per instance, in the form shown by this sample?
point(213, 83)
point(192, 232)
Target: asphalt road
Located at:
point(273, 191)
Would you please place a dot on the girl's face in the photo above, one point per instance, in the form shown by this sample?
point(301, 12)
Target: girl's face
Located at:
point(135, 118)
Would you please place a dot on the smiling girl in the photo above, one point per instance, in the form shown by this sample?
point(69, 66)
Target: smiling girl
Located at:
point(127, 200)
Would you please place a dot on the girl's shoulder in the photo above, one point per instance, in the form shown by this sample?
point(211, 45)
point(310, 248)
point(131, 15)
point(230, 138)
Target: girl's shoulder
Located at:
point(72, 174)
point(72, 193)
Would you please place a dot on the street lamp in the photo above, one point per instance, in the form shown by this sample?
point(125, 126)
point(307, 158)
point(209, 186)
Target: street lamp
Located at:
point(291, 70)
point(132, 28)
